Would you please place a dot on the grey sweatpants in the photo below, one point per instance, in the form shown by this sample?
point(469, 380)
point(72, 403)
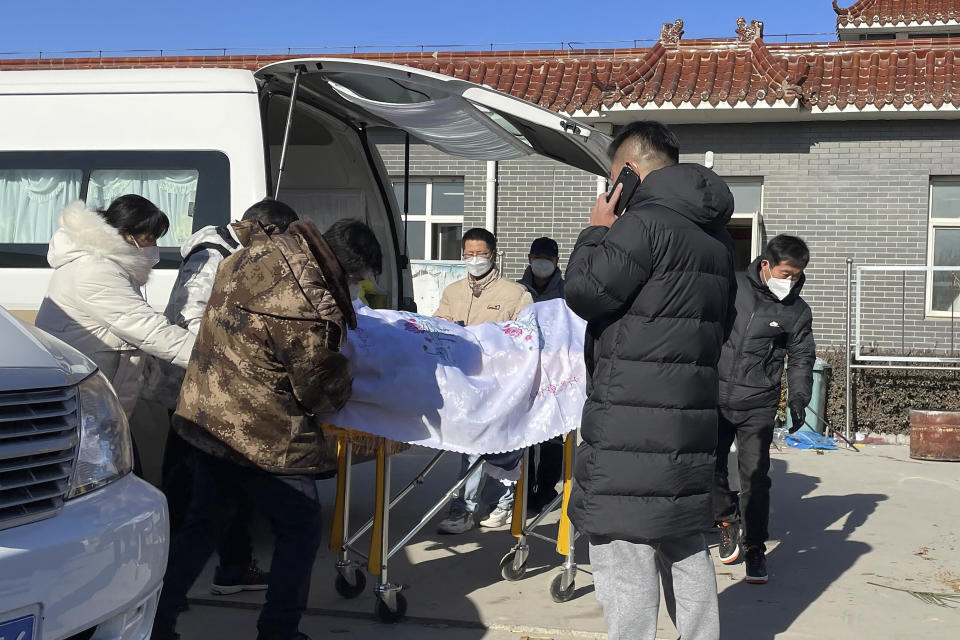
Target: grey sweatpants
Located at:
point(627, 578)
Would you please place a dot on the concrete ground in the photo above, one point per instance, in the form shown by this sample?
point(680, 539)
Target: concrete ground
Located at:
point(840, 521)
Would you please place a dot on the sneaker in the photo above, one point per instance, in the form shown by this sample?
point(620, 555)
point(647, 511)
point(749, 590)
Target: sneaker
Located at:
point(756, 561)
point(226, 582)
point(729, 542)
point(497, 518)
point(457, 522)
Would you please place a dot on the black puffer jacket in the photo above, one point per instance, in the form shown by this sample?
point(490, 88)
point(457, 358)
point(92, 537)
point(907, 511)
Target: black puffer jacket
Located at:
point(657, 292)
point(765, 331)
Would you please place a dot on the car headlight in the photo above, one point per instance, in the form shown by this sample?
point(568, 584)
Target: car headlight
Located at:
point(106, 451)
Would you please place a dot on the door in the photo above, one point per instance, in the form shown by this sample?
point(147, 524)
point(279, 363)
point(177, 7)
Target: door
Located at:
point(455, 116)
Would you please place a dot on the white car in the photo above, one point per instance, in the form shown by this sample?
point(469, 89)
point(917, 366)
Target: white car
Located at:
point(83, 543)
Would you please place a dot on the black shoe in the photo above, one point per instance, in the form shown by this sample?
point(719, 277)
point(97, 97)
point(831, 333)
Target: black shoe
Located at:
point(227, 582)
point(756, 564)
point(158, 634)
point(538, 502)
point(729, 542)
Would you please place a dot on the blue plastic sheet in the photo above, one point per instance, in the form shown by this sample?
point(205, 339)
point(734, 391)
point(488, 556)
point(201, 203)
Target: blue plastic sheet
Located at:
point(804, 439)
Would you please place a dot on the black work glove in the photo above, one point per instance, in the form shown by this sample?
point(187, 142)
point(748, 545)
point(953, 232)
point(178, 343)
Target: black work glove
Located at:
point(798, 412)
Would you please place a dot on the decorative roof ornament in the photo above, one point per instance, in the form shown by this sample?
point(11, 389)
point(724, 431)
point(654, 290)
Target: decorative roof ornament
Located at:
point(671, 33)
point(747, 34)
point(840, 11)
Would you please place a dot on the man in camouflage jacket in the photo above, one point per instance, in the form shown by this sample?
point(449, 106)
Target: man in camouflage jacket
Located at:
point(267, 359)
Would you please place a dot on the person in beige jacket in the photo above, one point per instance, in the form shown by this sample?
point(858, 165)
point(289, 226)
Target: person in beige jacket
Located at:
point(483, 296)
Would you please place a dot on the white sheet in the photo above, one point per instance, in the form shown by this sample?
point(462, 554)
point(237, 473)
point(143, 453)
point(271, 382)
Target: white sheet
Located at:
point(489, 388)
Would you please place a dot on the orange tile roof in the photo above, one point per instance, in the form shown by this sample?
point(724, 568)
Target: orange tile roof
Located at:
point(744, 71)
point(891, 12)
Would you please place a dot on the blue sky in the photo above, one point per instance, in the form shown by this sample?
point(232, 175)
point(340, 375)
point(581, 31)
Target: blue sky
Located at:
point(56, 25)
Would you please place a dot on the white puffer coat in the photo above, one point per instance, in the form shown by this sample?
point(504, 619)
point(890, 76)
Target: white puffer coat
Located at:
point(202, 254)
point(95, 303)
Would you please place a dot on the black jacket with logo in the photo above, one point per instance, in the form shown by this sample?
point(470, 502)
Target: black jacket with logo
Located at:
point(656, 292)
point(766, 330)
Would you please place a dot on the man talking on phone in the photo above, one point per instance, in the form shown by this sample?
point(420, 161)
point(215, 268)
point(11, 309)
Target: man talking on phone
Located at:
point(656, 286)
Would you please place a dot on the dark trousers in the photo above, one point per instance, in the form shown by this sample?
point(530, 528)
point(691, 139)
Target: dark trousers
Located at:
point(753, 432)
point(291, 505)
point(548, 469)
point(235, 548)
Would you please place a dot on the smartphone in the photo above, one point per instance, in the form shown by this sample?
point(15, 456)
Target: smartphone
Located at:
point(630, 181)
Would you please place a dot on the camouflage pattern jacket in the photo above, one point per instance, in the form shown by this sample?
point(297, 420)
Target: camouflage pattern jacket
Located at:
point(268, 353)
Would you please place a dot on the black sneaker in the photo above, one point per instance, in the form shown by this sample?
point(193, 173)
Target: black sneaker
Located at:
point(228, 582)
point(729, 542)
point(756, 561)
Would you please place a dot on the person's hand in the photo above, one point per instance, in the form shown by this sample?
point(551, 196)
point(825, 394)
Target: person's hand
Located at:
point(602, 214)
point(798, 412)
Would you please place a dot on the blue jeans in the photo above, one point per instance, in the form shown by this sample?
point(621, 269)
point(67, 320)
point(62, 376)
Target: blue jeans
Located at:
point(477, 492)
point(289, 502)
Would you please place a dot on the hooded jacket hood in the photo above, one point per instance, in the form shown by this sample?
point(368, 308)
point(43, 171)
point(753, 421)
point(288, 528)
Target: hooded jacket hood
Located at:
point(753, 275)
point(692, 190)
point(84, 232)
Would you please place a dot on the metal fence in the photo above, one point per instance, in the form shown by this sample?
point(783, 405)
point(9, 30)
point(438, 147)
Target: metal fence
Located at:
point(564, 45)
point(901, 317)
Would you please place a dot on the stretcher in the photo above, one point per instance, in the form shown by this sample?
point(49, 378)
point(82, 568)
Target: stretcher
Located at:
point(353, 563)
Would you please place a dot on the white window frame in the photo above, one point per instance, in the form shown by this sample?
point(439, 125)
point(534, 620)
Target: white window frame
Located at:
point(932, 225)
point(752, 216)
point(429, 218)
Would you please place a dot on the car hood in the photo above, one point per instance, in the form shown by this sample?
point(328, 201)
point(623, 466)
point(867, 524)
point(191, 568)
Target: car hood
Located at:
point(32, 359)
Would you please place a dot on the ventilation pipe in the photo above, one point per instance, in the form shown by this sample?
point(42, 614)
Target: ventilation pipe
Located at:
point(491, 203)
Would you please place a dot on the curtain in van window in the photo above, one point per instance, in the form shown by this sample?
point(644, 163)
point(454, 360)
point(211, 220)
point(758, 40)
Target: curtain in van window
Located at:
point(31, 201)
point(174, 191)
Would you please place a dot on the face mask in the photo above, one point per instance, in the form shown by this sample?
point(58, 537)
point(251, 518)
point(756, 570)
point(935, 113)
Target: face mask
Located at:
point(355, 289)
point(542, 268)
point(152, 254)
point(780, 287)
point(478, 267)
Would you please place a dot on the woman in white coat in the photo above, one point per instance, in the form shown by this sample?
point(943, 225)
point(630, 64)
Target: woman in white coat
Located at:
point(101, 260)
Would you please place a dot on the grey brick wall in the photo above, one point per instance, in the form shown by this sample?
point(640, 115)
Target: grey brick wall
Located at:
point(857, 189)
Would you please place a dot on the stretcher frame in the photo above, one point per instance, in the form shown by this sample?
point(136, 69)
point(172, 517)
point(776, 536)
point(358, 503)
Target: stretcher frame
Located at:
point(391, 605)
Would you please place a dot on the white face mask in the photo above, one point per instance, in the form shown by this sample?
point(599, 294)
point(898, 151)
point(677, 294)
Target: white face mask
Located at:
point(779, 287)
point(542, 268)
point(478, 267)
point(152, 254)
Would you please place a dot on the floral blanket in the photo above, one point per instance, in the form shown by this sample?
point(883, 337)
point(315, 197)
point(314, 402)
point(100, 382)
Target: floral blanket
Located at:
point(489, 388)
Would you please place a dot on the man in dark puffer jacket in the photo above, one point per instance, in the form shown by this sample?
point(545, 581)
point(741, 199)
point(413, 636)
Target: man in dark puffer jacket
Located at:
point(656, 287)
point(773, 321)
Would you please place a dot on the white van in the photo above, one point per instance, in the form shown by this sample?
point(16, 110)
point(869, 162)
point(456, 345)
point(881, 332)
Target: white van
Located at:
point(83, 543)
point(204, 144)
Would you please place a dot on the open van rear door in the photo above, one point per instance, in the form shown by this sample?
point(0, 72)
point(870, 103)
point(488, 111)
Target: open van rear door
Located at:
point(457, 117)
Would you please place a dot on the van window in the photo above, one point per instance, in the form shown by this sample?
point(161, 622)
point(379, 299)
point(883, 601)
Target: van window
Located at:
point(191, 187)
point(174, 191)
point(32, 199)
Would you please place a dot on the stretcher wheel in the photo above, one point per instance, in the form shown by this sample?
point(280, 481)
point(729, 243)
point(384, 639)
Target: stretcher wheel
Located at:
point(386, 615)
point(558, 593)
point(350, 591)
point(509, 571)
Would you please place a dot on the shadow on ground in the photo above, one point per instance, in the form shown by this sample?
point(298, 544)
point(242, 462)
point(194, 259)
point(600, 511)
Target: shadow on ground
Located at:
point(810, 556)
